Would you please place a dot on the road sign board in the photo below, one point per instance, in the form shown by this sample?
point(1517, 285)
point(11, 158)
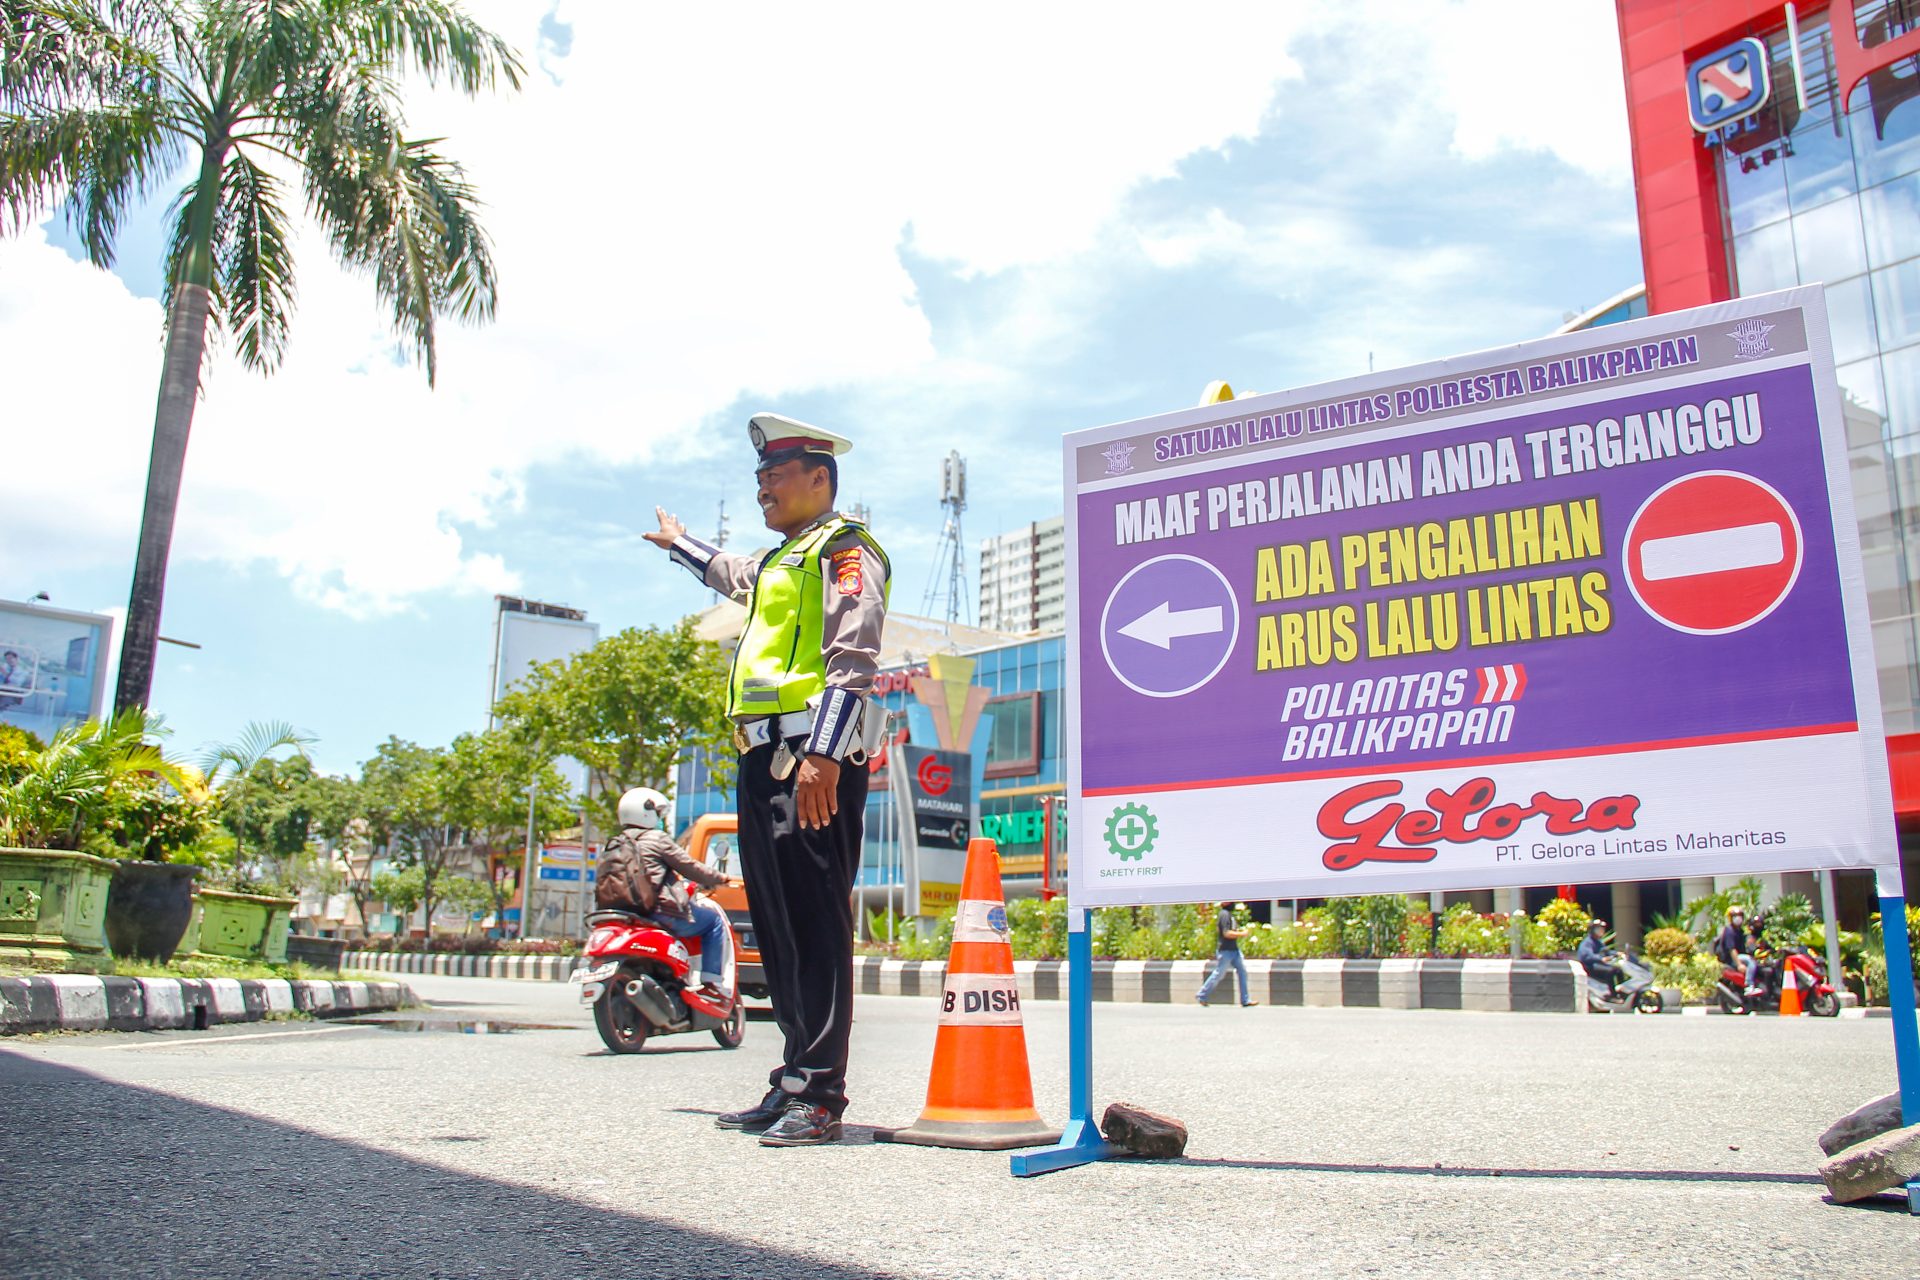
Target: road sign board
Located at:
point(1515, 618)
point(1713, 552)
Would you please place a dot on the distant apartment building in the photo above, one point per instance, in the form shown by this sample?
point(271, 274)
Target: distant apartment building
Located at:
point(1023, 579)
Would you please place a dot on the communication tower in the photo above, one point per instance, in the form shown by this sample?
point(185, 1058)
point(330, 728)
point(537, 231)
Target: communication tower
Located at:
point(948, 582)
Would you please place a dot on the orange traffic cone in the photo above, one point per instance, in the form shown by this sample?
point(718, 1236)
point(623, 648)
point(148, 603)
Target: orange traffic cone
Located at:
point(980, 1095)
point(1789, 991)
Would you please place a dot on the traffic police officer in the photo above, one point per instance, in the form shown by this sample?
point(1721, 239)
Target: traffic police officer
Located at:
point(797, 694)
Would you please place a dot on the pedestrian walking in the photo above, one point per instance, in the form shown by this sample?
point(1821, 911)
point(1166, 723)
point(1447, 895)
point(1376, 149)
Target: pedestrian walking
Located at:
point(1226, 955)
point(804, 726)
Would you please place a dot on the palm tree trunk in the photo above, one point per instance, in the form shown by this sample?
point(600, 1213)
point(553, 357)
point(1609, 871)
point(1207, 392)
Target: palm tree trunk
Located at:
point(173, 417)
point(172, 420)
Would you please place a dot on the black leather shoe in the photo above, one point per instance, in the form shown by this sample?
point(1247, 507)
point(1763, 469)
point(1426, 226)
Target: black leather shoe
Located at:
point(758, 1116)
point(802, 1125)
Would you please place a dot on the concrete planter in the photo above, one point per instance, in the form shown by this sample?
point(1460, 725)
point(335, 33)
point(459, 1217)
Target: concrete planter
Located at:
point(53, 908)
point(245, 926)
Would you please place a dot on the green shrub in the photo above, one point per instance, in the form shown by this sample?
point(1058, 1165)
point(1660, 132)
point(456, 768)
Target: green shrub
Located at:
point(1465, 932)
point(1566, 923)
point(1669, 944)
point(1039, 928)
point(1694, 974)
point(1787, 920)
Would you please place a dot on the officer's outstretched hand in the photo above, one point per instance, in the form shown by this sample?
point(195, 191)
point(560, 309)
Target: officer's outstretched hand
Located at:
point(816, 790)
point(670, 528)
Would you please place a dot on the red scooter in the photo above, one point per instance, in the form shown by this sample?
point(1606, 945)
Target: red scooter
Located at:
point(1822, 1001)
point(634, 974)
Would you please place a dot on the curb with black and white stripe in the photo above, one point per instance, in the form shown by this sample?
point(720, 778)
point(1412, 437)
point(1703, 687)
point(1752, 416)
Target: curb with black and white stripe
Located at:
point(83, 1002)
point(1493, 986)
point(517, 968)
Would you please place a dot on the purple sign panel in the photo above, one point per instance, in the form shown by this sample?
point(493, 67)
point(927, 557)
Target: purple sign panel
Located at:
point(1452, 626)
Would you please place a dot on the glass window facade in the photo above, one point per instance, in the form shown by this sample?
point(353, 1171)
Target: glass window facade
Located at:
point(1830, 195)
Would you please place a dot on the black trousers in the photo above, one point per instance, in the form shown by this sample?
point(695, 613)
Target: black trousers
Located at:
point(800, 894)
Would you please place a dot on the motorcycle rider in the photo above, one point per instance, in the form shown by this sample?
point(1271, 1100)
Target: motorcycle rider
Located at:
point(1766, 965)
point(1597, 959)
point(643, 817)
point(1736, 951)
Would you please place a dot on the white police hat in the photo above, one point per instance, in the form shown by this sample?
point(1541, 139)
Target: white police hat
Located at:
point(774, 433)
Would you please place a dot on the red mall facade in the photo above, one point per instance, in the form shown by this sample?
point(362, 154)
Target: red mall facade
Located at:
point(1817, 181)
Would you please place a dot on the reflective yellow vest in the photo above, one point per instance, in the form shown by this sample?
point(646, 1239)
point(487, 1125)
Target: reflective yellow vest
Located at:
point(779, 664)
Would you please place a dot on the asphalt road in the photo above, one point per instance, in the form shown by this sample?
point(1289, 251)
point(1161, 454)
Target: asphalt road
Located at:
point(1326, 1143)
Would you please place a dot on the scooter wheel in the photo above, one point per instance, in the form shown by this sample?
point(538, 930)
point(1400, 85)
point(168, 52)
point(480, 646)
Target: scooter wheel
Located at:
point(1824, 1006)
point(620, 1025)
point(735, 1030)
point(1649, 1001)
point(1731, 1004)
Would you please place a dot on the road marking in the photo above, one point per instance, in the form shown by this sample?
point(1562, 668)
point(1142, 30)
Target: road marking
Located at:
point(1688, 555)
point(247, 1037)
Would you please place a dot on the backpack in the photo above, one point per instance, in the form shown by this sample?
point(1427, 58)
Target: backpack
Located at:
point(622, 883)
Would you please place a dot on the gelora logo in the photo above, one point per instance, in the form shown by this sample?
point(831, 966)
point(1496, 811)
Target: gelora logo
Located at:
point(935, 777)
point(1461, 816)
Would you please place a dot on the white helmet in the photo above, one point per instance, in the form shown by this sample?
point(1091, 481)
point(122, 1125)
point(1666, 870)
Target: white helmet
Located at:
point(643, 807)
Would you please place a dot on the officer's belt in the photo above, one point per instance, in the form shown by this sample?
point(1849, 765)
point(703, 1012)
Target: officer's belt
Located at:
point(758, 733)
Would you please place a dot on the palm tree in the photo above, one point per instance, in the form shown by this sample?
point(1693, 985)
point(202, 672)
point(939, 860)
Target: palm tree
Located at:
point(259, 740)
point(102, 100)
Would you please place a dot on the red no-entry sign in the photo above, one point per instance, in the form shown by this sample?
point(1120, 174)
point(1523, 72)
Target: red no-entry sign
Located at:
point(1713, 552)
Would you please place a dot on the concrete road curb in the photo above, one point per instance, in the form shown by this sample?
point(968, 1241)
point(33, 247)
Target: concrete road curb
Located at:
point(1497, 986)
point(514, 968)
point(83, 1002)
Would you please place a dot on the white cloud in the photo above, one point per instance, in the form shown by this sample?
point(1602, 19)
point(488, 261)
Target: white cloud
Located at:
point(701, 204)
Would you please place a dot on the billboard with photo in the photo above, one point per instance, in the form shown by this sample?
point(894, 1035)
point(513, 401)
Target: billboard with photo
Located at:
point(53, 669)
point(1585, 609)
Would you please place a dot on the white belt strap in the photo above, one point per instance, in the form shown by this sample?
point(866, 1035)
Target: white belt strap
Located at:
point(758, 733)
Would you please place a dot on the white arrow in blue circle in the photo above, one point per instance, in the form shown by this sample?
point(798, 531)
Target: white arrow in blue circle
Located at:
point(1161, 625)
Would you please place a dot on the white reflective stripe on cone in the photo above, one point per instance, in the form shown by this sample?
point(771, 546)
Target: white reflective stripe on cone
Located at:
point(980, 1000)
point(977, 920)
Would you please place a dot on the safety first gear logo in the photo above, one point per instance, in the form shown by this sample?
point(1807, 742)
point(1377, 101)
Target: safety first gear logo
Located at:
point(1131, 831)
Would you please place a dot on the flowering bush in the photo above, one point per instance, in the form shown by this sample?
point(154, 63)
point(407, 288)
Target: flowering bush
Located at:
point(1566, 923)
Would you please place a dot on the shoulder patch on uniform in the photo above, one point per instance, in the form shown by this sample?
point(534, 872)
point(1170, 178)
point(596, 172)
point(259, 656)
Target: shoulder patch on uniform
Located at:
point(846, 571)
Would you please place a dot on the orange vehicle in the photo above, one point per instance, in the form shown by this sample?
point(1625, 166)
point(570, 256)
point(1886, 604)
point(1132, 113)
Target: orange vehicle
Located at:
point(714, 839)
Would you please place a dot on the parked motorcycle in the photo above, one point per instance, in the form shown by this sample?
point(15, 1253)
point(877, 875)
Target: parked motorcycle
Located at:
point(1636, 991)
point(1822, 1001)
point(635, 975)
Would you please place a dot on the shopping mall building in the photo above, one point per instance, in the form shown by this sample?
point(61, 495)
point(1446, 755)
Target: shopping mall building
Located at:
point(1778, 145)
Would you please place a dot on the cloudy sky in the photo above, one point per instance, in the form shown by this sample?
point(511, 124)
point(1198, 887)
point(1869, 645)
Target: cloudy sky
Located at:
point(927, 227)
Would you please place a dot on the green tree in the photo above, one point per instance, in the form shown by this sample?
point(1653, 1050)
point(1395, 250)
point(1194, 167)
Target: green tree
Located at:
point(101, 102)
point(626, 708)
point(484, 780)
point(407, 805)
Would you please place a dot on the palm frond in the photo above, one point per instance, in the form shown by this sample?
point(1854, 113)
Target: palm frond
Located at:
point(56, 54)
point(260, 739)
point(427, 36)
point(253, 263)
point(102, 157)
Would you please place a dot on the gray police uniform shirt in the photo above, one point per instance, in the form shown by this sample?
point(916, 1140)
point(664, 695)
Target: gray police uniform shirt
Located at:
point(855, 614)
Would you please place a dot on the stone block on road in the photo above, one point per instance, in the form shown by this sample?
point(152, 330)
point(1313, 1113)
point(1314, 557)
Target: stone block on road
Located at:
point(1878, 1164)
point(1867, 1121)
point(1144, 1132)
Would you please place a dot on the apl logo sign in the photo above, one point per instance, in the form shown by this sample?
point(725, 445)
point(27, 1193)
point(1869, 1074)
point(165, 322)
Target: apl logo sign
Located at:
point(1727, 85)
point(935, 777)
